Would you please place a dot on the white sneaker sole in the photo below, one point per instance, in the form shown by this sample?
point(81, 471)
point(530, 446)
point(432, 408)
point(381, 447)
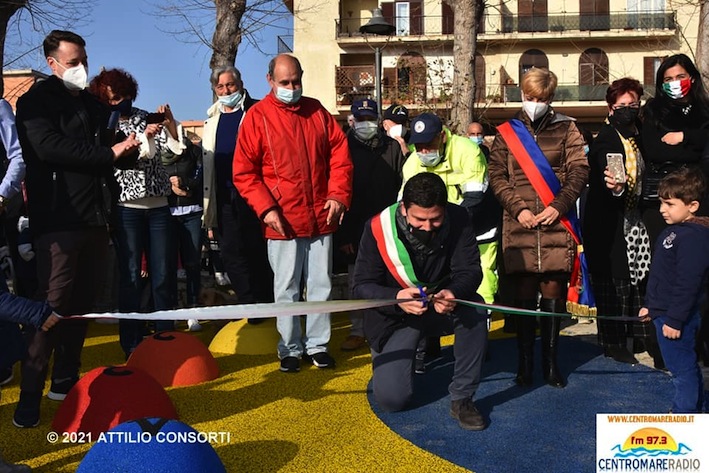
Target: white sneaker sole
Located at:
point(56, 396)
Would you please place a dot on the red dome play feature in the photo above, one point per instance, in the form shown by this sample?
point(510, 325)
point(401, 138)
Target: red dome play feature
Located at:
point(175, 359)
point(107, 396)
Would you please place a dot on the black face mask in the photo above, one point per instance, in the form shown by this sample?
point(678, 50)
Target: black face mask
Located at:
point(624, 116)
point(124, 107)
point(424, 236)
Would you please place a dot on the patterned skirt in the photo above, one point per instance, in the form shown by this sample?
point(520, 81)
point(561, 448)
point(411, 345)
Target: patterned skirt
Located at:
point(617, 297)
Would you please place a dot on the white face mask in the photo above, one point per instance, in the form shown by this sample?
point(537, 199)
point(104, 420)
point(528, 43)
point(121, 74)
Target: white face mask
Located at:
point(396, 131)
point(429, 159)
point(366, 130)
point(75, 78)
point(288, 96)
point(535, 110)
point(230, 100)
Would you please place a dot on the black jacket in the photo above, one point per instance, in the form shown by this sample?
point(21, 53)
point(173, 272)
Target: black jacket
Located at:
point(454, 263)
point(375, 184)
point(603, 239)
point(188, 167)
point(66, 148)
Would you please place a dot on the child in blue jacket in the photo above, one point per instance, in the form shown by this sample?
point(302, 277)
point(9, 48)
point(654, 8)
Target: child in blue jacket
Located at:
point(677, 284)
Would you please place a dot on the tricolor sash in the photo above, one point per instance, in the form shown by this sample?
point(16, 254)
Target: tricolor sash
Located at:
point(531, 159)
point(392, 250)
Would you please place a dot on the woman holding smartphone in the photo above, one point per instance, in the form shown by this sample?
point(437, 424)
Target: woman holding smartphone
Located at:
point(143, 220)
point(615, 238)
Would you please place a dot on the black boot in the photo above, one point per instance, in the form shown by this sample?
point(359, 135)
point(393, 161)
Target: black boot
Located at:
point(526, 326)
point(550, 340)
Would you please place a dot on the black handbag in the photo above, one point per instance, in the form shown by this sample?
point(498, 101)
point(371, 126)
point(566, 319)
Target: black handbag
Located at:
point(654, 173)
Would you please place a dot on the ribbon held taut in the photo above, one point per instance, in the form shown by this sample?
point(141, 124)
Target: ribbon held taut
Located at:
point(524, 148)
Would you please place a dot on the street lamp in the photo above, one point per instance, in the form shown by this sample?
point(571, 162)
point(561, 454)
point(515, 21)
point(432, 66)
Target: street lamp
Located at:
point(377, 25)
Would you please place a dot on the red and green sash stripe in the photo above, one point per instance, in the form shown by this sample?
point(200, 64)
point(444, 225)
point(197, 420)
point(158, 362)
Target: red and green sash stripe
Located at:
point(391, 249)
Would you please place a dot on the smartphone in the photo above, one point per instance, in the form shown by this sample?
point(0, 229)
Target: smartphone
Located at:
point(616, 166)
point(155, 118)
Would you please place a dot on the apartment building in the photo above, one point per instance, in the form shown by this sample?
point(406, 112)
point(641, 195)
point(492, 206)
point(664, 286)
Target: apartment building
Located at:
point(587, 43)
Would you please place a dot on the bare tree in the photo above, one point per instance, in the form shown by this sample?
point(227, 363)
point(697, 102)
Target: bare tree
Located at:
point(220, 25)
point(465, 33)
point(40, 16)
point(702, 56)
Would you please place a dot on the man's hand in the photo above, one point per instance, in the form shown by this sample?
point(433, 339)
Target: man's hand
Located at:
point(440, 304)
point(335, 211)
point(526, 219)
point(125, 147)
point(671, 333)
point(644, 314)
point(51, 321)
point(274, 219)
point(412, 307)
point(547, 216)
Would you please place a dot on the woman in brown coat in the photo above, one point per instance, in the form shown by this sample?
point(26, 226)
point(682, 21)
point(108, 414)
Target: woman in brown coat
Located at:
point(537, 250)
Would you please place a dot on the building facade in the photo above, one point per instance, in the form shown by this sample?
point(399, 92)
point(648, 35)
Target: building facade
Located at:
point(587, 43)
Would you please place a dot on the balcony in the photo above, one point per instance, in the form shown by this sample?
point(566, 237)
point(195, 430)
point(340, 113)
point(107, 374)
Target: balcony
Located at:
point(499, 26)
point(357, 82)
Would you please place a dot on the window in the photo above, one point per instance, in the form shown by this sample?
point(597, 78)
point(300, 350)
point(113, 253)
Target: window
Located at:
point(402, 18)
point(532, 58)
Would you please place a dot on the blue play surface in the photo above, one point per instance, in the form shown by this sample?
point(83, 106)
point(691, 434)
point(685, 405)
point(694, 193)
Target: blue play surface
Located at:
point(538, 429)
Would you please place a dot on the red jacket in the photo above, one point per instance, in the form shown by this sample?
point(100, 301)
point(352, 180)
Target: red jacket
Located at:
point(292, 157)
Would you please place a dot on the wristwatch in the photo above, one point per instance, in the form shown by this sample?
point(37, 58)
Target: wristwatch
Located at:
point(3, 202)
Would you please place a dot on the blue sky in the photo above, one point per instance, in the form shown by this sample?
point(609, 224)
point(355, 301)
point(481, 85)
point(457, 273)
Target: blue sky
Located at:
point(167, 70)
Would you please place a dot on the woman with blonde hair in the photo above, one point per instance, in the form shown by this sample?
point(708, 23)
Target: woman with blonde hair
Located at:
point(538, 252)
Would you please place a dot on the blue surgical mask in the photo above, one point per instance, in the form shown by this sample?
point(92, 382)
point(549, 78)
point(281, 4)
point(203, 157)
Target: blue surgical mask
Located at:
point(288, 96)
point(478, 140)
point(586, 149)
point(230, 100)
point(429, 159)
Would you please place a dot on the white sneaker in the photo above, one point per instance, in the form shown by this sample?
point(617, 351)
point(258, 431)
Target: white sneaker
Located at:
point(193, 325)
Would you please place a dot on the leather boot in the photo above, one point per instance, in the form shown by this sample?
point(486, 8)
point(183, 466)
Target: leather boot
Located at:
point(550, 340)
point(526, 327)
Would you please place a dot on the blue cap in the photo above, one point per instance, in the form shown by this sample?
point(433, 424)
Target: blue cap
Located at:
point(425, 128)
point(365, 108)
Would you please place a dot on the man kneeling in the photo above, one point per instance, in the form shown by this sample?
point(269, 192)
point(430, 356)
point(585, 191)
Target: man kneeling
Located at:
point(424, 249)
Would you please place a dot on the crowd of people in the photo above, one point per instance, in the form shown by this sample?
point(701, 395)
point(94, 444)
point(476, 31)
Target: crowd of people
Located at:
point(412, 210)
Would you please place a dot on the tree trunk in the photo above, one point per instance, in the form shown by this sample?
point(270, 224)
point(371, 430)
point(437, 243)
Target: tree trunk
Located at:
point(227, 32)
point(465, 37)
point(702, 58)
point(7, 9)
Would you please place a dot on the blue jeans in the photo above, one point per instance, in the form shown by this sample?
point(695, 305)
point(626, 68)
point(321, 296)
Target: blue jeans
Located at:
point(293, 260)
point(188, 229)
point(145, 231)
point(681, 360)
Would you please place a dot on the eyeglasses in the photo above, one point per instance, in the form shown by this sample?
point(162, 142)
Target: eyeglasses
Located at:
point(633, 105)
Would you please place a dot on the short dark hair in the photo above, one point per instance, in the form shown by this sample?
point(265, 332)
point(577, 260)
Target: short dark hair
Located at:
point(272, 63)
point(426, 190)
point(51, 42)
point(621, 87)
point(686, 184)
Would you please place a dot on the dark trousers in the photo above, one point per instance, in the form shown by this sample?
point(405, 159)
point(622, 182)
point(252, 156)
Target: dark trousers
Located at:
point(393, 368)
point(243, 252)
point(68, 268)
